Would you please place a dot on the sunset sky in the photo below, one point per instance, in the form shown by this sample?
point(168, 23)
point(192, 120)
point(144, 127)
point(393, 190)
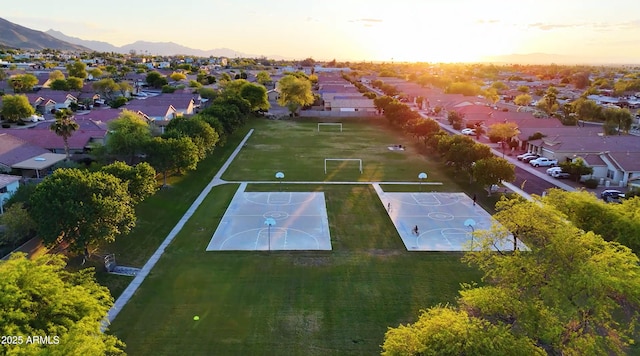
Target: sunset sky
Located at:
point(399, 30)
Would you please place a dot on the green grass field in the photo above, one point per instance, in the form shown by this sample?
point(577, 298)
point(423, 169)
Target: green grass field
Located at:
point(298, 150)
point(336, 302)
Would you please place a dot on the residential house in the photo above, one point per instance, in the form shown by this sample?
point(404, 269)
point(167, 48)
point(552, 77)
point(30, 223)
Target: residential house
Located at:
point(8, 186)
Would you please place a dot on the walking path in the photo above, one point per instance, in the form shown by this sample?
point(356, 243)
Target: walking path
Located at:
point(140, 276)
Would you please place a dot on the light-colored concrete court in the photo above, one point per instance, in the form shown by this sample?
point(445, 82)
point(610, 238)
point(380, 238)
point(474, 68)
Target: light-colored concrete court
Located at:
point(273, 221)
point(440, 218)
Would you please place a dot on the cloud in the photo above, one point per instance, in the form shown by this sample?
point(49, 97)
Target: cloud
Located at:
point(551, 26)
point(488, 22)
point(367, 21)
point(630, 25)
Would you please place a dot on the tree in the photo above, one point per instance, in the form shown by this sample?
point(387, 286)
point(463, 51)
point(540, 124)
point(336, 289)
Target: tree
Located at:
point(576, 168)
point(106, 87)
point(263, 78)
point(443, 330)
point(127, 135)
point(523, 100)
point(47, 299)
point(455, 119)
point(614, 222)
point(81, 208)
point(498, 86)
point(74, 83)
point(294, 93)
point(59, 84)
point(571, 292)
point(64, 126)
point(22, 83)
point(199, 131)
point(77, 69)
point(549, 102)
point(619, 120)
point(16, 107)
point(587, 110)
point(171, 154)
point(56, 75)
point(382, 102)
point(141, 178)
point(256, 95)
point(177, 76)
point(505, 132)
point(493, 170)
point(423, 129)
point(156, 80)
point(18, 224)
point(96, 73)
point(492, 95)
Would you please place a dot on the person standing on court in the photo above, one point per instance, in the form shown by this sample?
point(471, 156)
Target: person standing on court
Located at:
point(474, 199)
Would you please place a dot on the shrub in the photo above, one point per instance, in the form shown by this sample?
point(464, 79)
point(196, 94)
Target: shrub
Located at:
point(591, 183)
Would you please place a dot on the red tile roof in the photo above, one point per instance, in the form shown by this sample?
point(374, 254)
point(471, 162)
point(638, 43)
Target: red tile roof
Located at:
point(14, 149)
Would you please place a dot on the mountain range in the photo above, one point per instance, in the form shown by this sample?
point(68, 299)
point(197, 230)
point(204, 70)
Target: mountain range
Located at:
point(19, 37)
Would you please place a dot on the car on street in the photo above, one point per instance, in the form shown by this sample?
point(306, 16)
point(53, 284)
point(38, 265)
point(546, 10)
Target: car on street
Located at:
point(468, 132)
point(608, 194)
point(561, 175)
point(521, 156)
point(550, 171)
point(543, 162)
point(530, 158)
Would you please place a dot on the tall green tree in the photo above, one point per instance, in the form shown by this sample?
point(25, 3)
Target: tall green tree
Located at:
point(106, 87)
point(18, 224)
point(127, 135)
point(172, 154)
point(41, 297)
point(200, 132)
point(619, 120)
point(23, 83)
point(443, 330)
point(294, 93)
point(263, 78)
point(140, 179)
point(493, 170)
point(77, 69)
point(256, 95)
point(549, 102)
point(81, 208)
point(64, 126)
point(74, 83)
point(16, 107)
point(156, 79)
point(56, 75)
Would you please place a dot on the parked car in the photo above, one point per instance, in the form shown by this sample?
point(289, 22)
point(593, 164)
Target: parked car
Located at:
point(552, 170)
point(561, 175)
point(543, 162)
point(468, 132)
point(530, 158)
point(611, 194)
point(526, 154)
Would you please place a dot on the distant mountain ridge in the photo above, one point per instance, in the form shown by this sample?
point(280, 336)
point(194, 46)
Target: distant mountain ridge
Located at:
point(155, 48)
point(15, 36)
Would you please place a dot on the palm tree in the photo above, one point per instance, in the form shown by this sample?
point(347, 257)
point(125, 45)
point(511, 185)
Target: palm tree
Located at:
point(64, 126)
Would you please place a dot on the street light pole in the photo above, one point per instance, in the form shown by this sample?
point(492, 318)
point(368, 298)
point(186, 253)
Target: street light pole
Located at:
point(470, 223)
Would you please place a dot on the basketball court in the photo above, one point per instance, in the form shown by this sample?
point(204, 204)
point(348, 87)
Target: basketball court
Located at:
point(273, 221)
point(442, 219)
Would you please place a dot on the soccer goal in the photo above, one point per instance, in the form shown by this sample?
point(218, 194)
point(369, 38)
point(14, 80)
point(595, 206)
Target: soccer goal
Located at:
point(330, 124)
point(342, 159)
